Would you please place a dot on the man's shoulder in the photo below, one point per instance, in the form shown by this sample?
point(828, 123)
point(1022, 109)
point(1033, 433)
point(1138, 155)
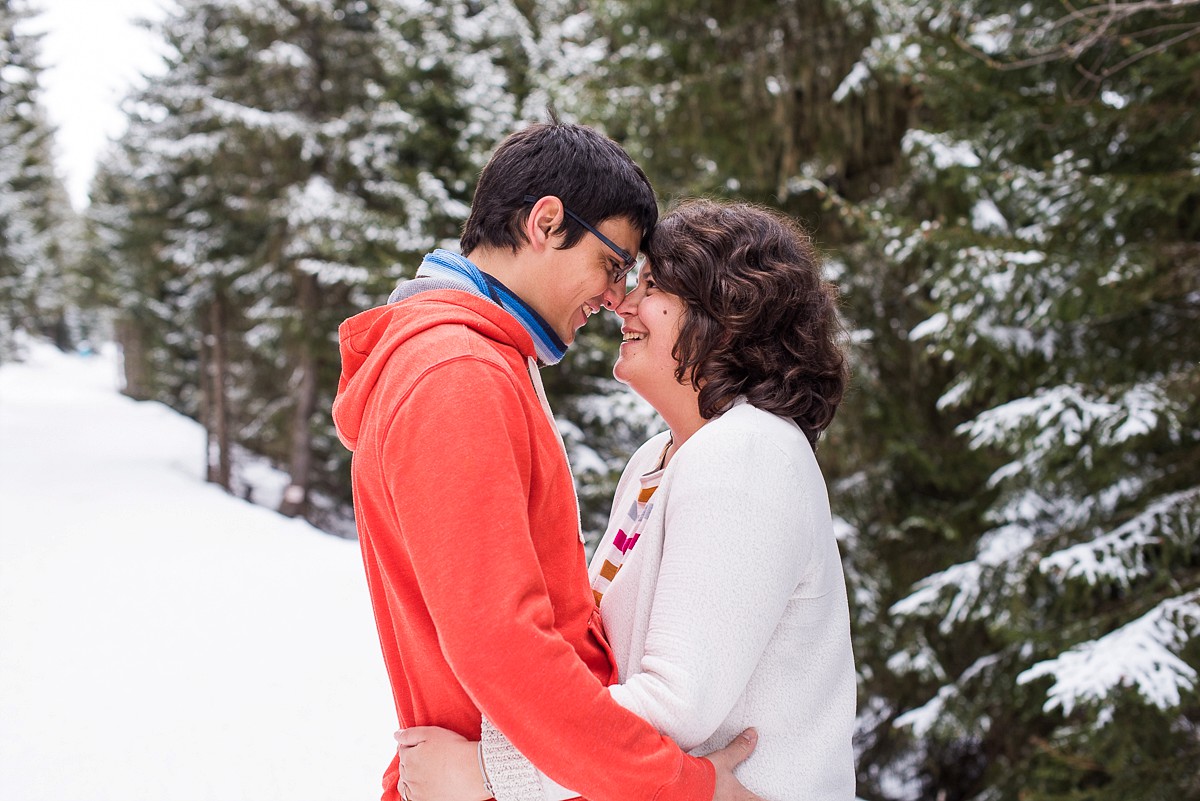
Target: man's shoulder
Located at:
point(449, 366)
point(448, 343)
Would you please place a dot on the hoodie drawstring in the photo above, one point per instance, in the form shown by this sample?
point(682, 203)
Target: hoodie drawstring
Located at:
point(535, 375)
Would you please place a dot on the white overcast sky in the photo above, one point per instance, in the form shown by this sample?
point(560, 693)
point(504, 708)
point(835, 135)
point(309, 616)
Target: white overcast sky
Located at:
point(92, 54)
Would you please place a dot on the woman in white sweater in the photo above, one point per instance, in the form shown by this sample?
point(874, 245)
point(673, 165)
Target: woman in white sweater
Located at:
point(718, 580)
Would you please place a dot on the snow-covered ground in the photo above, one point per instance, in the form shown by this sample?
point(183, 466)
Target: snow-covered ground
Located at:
point(159, 639)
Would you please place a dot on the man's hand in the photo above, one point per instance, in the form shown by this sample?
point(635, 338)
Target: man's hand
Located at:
point(728, 788)
point(439, 765)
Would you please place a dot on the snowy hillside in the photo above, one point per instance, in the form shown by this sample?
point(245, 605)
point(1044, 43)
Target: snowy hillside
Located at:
point(159, 639)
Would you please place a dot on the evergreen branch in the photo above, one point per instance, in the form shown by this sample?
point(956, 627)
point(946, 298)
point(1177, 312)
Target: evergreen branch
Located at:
point(1136, 57)
point(1118, 555)
point(1073, 760)
point(1142, 654)
point(923, 718)
point(1093, 27)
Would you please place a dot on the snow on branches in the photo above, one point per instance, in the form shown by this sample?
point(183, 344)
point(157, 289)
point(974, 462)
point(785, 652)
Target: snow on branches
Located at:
point(1143, 654)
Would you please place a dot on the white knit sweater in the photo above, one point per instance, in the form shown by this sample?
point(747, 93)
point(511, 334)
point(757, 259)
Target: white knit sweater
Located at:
point(731, 612)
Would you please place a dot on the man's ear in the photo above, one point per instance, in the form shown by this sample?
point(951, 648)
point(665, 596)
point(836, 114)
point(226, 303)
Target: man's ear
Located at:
point(544, 220)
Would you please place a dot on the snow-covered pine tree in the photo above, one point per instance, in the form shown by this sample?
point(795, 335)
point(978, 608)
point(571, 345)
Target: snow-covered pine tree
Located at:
point(124, 222)
point(35, 216)
point(293, 162)
point(161, 228)
point(1043, 280)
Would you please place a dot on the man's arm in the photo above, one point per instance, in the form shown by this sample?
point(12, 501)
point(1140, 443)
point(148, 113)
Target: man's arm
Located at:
point(459, 453)
point(733, 555)
point(437, 764)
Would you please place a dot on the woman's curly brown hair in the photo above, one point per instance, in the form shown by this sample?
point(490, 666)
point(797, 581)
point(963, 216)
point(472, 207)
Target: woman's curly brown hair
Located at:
point(759, 320)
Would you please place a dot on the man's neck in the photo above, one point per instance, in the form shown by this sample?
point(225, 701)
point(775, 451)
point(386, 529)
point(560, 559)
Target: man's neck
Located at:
point(517, 277)
point(520, 272)
point(501, 264)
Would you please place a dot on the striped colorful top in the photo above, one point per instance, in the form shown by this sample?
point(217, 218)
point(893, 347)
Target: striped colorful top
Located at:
point(627, 535)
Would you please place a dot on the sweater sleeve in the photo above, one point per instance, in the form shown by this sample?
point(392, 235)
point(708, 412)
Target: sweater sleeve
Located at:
point(512, 777)
point(735, 545)
point(467, 532)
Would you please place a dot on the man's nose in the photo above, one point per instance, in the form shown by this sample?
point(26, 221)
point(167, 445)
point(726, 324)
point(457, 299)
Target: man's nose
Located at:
point(613, 297)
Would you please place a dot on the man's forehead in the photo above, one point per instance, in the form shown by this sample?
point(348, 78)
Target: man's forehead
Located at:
point(623, 232)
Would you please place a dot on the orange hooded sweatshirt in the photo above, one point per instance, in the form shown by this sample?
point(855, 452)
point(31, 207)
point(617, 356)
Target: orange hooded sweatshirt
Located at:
point(469, 529)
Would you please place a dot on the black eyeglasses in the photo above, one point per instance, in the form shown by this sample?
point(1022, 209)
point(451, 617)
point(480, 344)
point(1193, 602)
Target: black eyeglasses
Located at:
point(628, 262)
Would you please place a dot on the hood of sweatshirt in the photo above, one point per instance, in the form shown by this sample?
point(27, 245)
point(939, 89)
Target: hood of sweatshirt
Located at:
point(368, 339)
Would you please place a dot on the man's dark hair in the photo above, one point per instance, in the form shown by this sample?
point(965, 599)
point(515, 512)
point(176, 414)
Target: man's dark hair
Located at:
point(759, 319)
point(582, 167)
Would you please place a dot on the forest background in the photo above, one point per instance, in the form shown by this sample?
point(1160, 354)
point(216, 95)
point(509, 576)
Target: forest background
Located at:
point(1007, 194)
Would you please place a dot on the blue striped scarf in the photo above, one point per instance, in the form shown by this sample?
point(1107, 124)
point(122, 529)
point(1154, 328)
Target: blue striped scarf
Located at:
point(458, 272)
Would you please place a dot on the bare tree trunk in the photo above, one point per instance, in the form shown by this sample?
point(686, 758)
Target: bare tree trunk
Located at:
point(132, 339)
point(304, 383)
point(217, 422)
point(295, 497)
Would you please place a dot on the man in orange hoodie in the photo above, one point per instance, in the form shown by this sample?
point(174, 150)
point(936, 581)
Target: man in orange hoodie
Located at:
point(464, 501)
